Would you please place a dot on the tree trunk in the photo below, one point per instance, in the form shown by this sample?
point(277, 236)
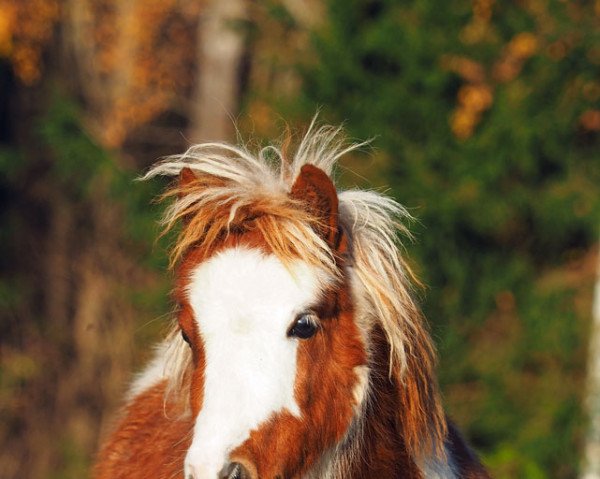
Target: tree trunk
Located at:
point(221, 46)
point(591, 468)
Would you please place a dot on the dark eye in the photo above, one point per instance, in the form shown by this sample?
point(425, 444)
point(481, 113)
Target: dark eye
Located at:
point(185, 337)
point(304, 327)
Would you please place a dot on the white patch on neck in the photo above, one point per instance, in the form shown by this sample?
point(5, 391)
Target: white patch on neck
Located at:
point(152, 374)
point(244, 303)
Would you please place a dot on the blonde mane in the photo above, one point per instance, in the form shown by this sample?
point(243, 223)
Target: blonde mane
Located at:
point(235, 189)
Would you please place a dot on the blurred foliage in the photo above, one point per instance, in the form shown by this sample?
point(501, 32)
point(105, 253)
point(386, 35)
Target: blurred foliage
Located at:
point(134, 60)
point(51, 377)
point(26, 26)
point(81, 165)
point(486, 118)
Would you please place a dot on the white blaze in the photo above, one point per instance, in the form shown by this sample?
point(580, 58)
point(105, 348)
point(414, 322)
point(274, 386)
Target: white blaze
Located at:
point(244, 303)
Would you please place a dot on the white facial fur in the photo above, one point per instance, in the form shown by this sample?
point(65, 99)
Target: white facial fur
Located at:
point(244, 303)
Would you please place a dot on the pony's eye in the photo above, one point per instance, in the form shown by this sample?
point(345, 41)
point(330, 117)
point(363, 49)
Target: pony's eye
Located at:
point(185, 337)
point(304, 327)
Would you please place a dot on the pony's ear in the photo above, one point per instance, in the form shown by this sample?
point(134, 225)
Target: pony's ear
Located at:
point(186, 176)
point(318, 194)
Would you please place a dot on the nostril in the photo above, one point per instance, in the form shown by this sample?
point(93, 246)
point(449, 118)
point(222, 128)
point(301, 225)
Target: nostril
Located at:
point(235, 471)
point(190, 472)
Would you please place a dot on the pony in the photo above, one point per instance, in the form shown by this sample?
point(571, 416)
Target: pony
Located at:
point(297, 349)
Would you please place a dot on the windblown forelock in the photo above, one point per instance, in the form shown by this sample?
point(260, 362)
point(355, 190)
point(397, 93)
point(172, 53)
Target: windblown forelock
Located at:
point(234, 185)
point(209, 217)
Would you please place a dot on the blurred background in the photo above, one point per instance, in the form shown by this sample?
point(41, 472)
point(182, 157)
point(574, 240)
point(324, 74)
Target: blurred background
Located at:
point(485, 120)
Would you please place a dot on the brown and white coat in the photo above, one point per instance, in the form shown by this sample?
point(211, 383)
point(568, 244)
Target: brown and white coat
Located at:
point(298, 350)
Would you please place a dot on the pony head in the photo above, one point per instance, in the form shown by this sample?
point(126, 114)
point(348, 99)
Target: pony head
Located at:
point(293, 302)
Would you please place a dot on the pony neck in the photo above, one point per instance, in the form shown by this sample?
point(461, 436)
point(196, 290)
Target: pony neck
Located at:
point(375, 445)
